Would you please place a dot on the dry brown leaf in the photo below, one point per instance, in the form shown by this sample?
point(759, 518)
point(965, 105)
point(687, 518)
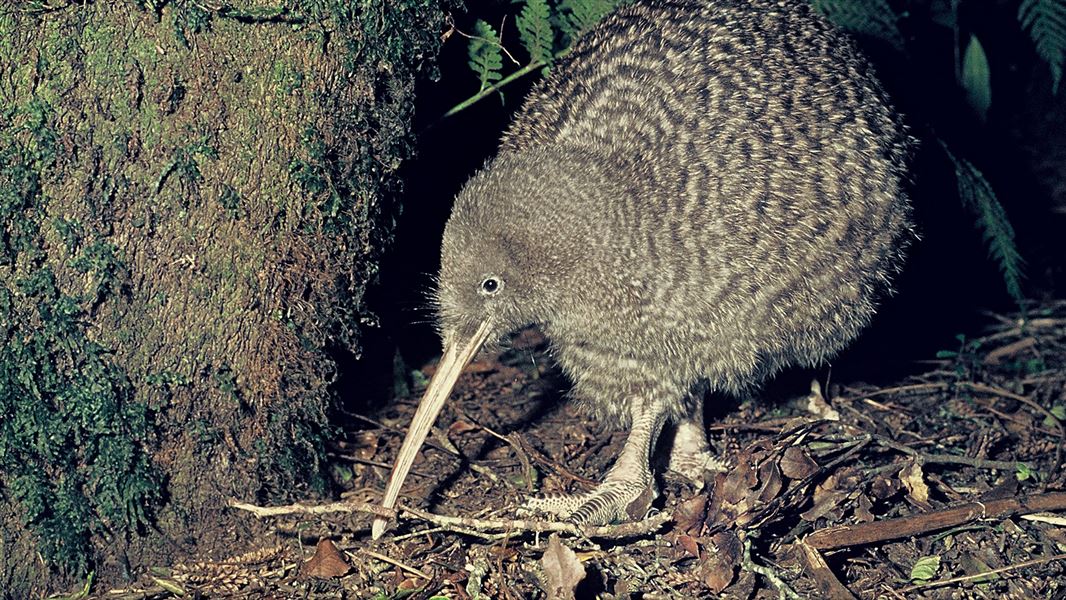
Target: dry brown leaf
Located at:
point(689, 545)
point(913, 479)
point(770, 476)
point(796, 463)
point(824, 503)
point(640, 506)
point(327, 562)
point(409, 584)
point(825, 498)
point(755, 480)
point(460, 427)
point(737, 484)
point(689, 515)
point(720, 561)
point(562, 570)
point(862, 509)
point(1004, 489)
point(503, 553)
point(884, 487)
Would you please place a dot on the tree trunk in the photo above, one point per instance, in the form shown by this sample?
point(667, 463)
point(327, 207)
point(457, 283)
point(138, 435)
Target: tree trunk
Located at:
point(193, 199)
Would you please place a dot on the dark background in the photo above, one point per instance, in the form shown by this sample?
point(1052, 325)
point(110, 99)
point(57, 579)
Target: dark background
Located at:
point(949, 285)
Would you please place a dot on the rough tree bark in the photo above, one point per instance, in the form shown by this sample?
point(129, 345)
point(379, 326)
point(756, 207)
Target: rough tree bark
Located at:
point(193, 197)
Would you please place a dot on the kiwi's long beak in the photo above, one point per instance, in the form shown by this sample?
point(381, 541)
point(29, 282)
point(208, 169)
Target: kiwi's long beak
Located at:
point(458, 353)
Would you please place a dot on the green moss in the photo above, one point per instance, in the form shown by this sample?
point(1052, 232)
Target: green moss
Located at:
point(189, 19)
point(287, 79)
point(196, 199)
point(71, 440)
point(70, 233)
point(100, 261)
point(230, 201)
point(71, 437)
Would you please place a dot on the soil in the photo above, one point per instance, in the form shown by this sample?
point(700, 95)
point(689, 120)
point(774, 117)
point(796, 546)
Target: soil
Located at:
point(979, 430)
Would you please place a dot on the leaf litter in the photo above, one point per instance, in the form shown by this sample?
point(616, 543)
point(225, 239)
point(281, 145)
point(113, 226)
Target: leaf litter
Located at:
point(948, 484)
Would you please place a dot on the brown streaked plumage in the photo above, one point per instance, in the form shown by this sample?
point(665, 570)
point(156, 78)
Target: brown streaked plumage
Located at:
point(702, 193)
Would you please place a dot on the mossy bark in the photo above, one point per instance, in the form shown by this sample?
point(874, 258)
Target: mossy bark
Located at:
point(193, 203)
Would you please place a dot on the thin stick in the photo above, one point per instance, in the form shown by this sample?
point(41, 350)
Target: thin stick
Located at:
point(964, 578)
point(914, 387)
point(463, 524)
point(981, 463)
point(378, 464)
point(768, 573)
point(400, 432)
point(346, 506)
point(395, 563)
point(844, 536)
point(523, 457)
point(493, 41)
point(988, 389)
point(827, 581)
point(623, 530)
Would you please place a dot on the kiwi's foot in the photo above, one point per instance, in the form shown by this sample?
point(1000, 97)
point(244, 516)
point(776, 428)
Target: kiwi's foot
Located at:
point(611, 502)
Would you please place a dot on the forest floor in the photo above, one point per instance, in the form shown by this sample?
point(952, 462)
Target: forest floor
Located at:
point(943, 485)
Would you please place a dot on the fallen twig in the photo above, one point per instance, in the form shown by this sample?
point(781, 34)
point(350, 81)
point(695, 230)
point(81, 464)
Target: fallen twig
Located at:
point(623, 530)
point(828, 584)
point(997, 355)
point(965, 578)
point(949, 459)
point(988, 389)
point(520, 442)
point(844, 536)
point(782, 588)
point(347, 506)
point(465, 524)
point(902, 389)
point(395, 563)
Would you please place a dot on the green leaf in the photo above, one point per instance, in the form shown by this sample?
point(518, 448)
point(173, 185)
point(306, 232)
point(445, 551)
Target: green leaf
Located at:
point(1058, 412)
point(171, 586)
point(977, 195)
point(485, 53)
point(1023, 472)
point(80, 594)
point(1045, 20)
point(925, 568)
point(976, 78)
point(578, 16)
point(535, 30)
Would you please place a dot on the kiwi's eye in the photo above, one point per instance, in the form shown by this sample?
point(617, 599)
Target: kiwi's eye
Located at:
point(491, 285)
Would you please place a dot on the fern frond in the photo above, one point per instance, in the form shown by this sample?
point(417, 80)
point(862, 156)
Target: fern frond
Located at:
point(871, 18)
point(535, 30)
point(578, 16)
point(978, 196)
point(1045, 20)
point(485, 53)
